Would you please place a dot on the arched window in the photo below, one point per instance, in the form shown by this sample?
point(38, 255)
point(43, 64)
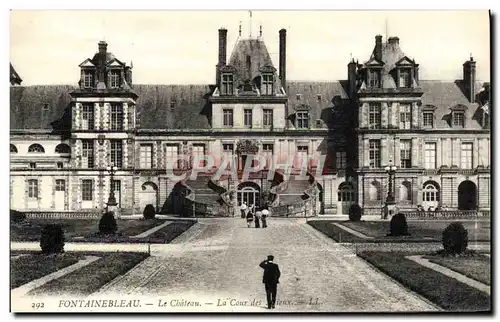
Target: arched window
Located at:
point(36, 148)
point(430, 192)
point(13, 148)
point(345, 192)
point(405, 191)
point(375, 192)
point(63, 148)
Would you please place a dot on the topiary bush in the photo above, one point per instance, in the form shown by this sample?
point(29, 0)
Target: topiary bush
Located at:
point(52, 239)
point(455, 238)
point(398, 225)
point(149, 212)
point(107, 224)
point(355, 213)
point(17, 216)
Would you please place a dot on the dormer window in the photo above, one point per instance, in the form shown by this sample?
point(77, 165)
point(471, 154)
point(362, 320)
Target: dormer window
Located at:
point(267, 84)
point(458, 119)
point(404, 78)
point(302, 121)
point(88, 79)
point(114, 79)
point(373, 78)
point(428, 119)
point(227, 84)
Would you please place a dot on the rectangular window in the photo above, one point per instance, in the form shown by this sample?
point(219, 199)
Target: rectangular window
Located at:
point(405, 153)
point(116, 185)
point(227, 84)
point(87, 117)
point(60, 185)
point(428, 119)
point(33, 189)
point(374, 153)
point(114, 79)
point(267, 84)
point(116, 153)
point(247, 117)
point(268, 118)
point(458, 119)
point(87, 153)
point(227, 117)
point(375, 117)
point(146, 156)
point(88, 79)
point(404, 78)
point(87, 190)
point(340, 159)
point(374, 78)
point(198, 153)
point(227, 151)
point(405, 116)
point(302, 153)
point(267, 152)
point(302, 120)
point(173, 156)
point(116, 117)
point(430, 155)
point(466, 155)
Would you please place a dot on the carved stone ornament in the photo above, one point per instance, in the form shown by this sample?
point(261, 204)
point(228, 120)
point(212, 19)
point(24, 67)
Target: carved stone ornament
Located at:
point(247, 146)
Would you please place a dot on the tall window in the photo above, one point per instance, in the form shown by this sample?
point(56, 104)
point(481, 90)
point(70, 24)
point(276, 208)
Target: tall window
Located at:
point(116, 120)
point(87, 190)
point(405, 191)
point(458, 119)
point(227, 151)
point(374, 153)
point(267, 84)
point(404, 78)
point(227, 84)
point(428, 119)
point(405, 153)
point(114, 79)
point(199, 153)
point(87, 153)
point(87, 117)
point(340, 159)
point(267, 152)
point(375, 117)
point(405, 116)
point(374, 78)
point(302, 120)
point(430, 155)
point(60, 185)
point(227, 117)
point(146, 156)
point(88, 79)
point(430, 192)
point(268, 118)
point(173, 156)
point(466, 155)
point(33, 189)
point(247, 117)
point(302, 153)
point(116, 185)
point(116, 153)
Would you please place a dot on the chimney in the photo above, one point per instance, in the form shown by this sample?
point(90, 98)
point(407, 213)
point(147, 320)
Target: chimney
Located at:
point(393, 40)
point(282, 58)
point(103, 46)
point(378, 47)
point(470, 79)
point(222, 52)
point(351, 77)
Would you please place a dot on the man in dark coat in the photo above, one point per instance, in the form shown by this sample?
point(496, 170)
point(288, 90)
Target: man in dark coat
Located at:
point(271, 280)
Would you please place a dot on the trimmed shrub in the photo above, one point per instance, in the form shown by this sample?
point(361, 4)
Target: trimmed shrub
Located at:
point(107, 224)
point(355, 213)
point(455, 238)
point(52, 239)
point(149, 212)
point(17, 216)
point(398, 225)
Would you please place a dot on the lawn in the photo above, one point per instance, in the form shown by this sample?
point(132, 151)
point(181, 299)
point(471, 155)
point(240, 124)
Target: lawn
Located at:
point(92, 277)
point(446, 292)
point(74, 229)
point(29, 267)
point(475, 267)
point(168, 233)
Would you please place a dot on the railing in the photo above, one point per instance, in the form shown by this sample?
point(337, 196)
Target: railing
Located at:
point(303, 208)
point(447, 214)
point(63, 214)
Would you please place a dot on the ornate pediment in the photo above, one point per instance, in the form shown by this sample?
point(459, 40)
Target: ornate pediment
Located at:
point(374, 63)
point(458, 107)
point(115, 63)
point(405, 61)
point(227, 69)
point(429, 107)
point(267, 69)
point(302, 107)
point(247, 146)
point(86, 63)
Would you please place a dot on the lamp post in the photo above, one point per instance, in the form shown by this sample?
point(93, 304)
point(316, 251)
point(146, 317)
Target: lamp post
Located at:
point(390, 202)
point(112, 204)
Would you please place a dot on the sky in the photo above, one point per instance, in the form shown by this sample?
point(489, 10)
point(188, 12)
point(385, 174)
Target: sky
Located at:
point(180, 47)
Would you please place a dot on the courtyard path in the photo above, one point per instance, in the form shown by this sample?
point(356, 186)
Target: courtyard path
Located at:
point(216, 262)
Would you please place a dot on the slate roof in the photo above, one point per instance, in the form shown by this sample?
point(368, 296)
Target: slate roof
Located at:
point(256, 51)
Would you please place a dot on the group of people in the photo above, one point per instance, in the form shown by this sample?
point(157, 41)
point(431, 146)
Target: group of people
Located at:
point(259, 216)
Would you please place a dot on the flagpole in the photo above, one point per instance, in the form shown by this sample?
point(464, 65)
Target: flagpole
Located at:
point(250, 24)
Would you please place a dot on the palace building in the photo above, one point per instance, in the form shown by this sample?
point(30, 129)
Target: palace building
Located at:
point(340, 134)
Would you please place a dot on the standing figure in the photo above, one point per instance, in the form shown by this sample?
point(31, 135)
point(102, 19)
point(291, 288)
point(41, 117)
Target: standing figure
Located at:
point(249, 218)
point(258, 214)
point(265, 213)
point(243, 209)
point(271, 280)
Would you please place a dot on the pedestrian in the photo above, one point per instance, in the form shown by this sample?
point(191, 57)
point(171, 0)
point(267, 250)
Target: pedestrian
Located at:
point(249, 219)
point(265, 213)
point(271, 279)
point(243, 209)
point(258, 214)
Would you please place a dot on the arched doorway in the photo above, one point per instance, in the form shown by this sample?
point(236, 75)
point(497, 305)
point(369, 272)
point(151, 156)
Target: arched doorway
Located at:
point(467, 195)
point(249, 192)
point(345, 198)
point(430, 195)
point(148, 195)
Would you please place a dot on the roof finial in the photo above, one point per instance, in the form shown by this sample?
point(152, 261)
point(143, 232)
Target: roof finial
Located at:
point(240, 29)
point(131, 64)
point(471, 59)
point(260, 30)
point(250, 24)
point(386, 30)
point(350, 56)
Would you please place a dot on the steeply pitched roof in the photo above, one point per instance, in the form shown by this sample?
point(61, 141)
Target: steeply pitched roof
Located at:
point(15, 79)
point(248, 56)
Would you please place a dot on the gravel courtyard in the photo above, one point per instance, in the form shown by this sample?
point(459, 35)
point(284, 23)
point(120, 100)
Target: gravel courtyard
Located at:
point(216, 263)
